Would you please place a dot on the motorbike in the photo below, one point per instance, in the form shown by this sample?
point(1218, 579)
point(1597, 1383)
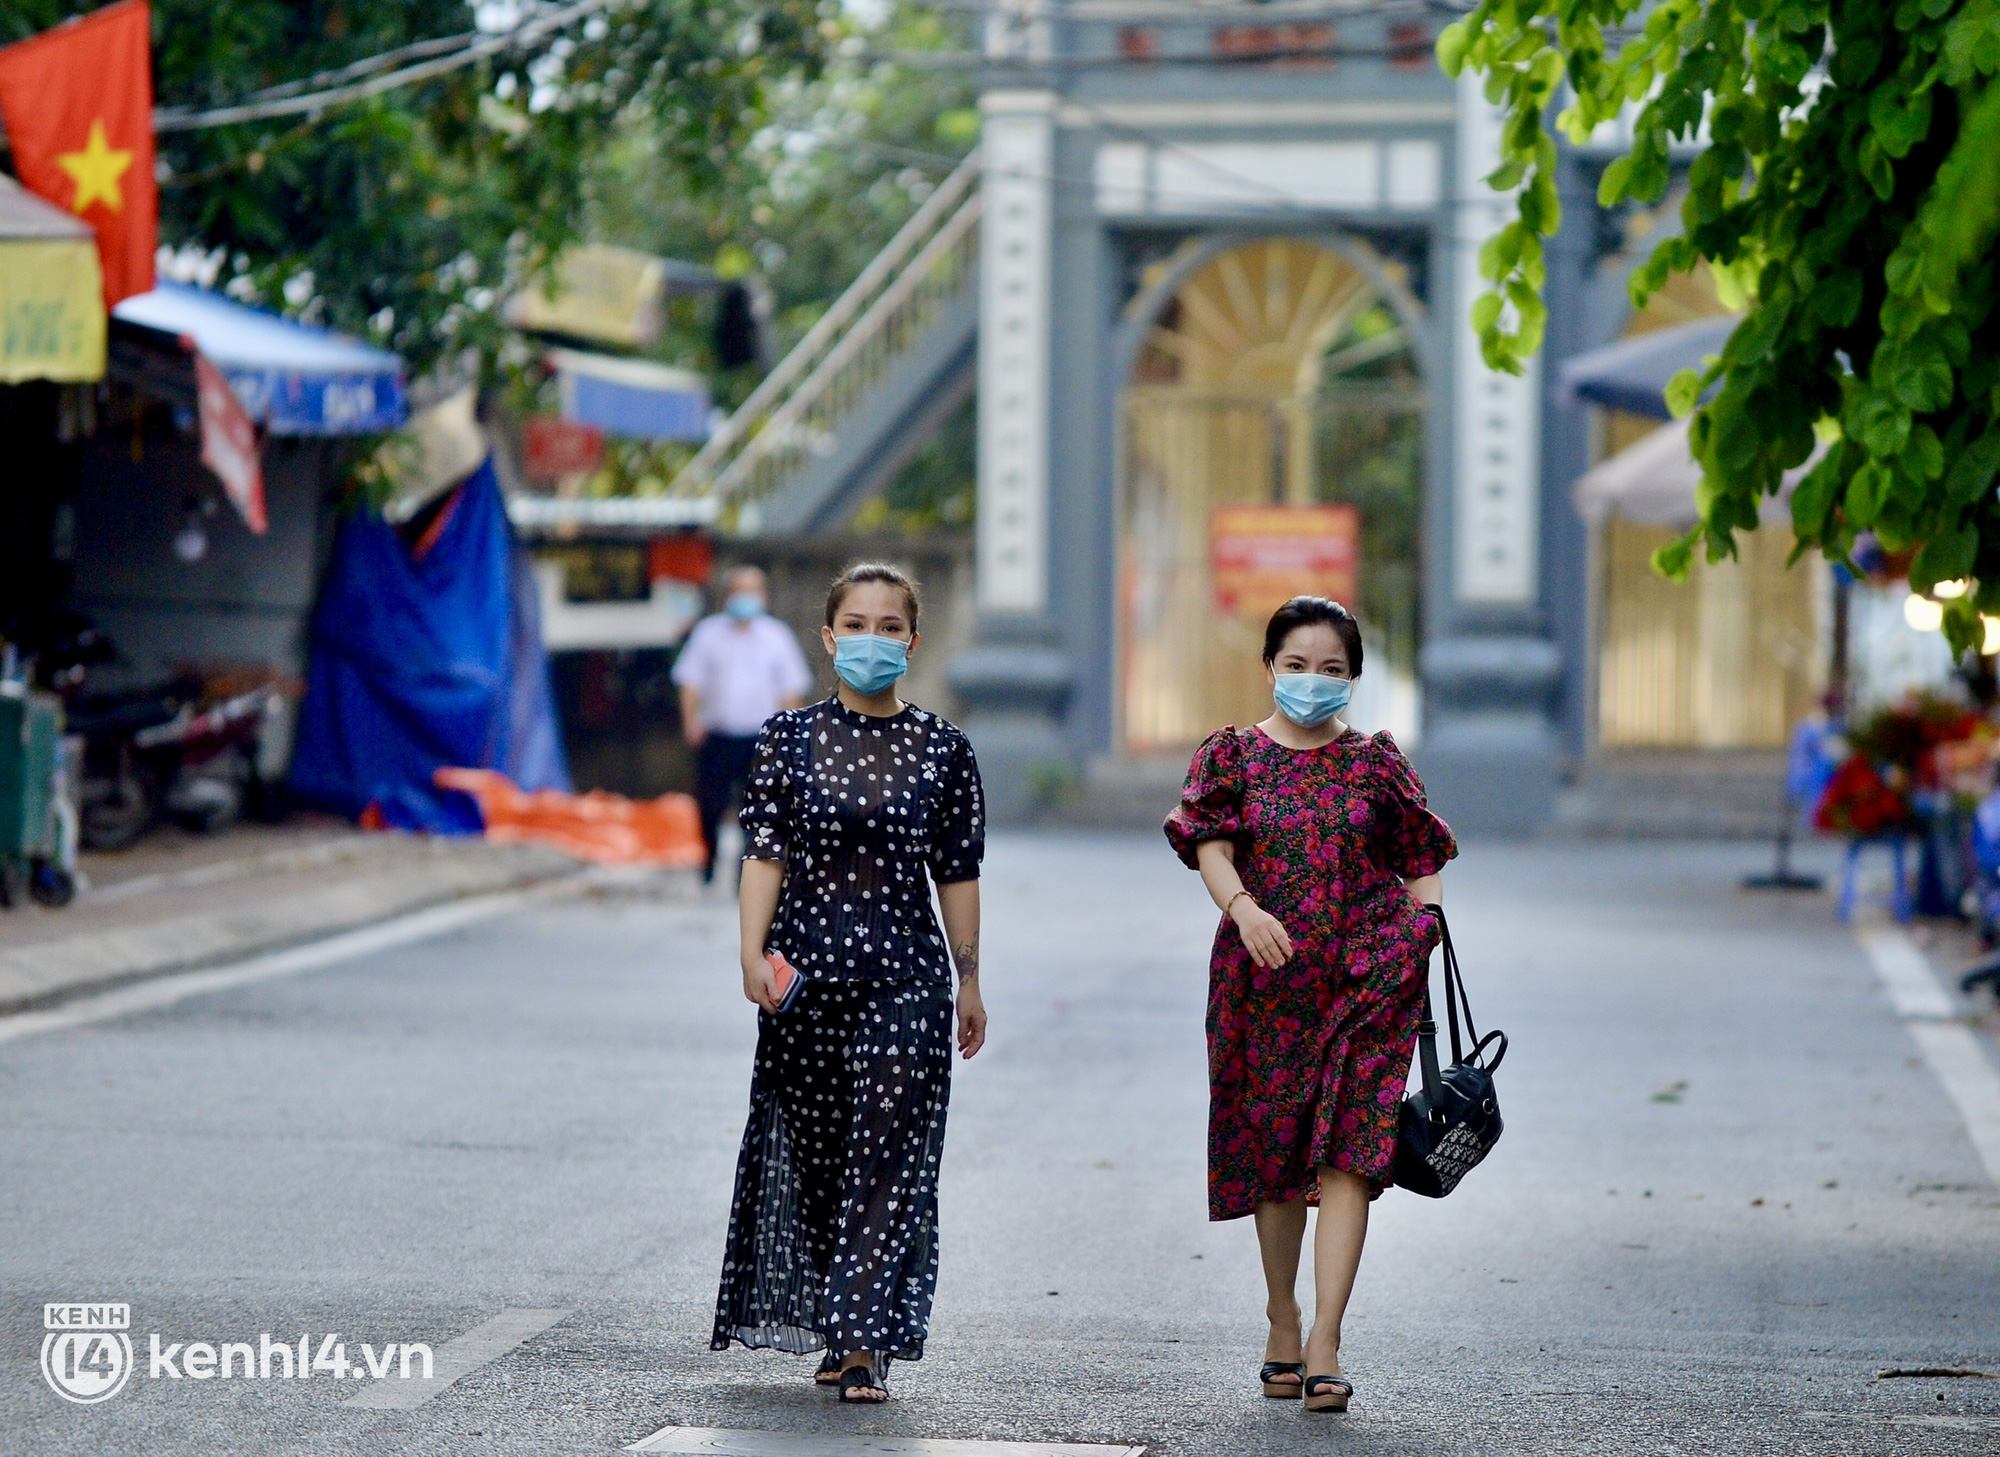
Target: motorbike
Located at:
point(160, 747)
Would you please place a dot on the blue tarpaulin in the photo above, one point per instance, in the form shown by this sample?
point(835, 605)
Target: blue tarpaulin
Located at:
point(424, 664)
point(293, 379)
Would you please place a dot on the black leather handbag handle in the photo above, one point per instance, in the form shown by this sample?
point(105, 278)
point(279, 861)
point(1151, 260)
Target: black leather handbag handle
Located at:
point(1454, 998)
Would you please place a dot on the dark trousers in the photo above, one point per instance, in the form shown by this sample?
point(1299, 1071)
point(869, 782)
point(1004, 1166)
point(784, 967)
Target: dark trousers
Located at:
point(721, 769)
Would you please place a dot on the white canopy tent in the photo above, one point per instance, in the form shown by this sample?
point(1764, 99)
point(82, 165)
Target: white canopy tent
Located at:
point(1653, 482)
point(1725, 660)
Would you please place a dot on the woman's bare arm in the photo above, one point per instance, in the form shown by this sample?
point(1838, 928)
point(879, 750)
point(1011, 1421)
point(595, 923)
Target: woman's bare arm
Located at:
point(1428, 889)
point(959, 901)
point(1262, 932)
point(756, 908)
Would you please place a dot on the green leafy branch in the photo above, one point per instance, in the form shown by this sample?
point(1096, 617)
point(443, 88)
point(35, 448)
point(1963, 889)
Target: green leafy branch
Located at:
point(1846, 179)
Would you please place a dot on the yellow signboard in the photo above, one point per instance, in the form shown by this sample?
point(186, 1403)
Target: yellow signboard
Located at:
point(609, 294)
point(51, 310)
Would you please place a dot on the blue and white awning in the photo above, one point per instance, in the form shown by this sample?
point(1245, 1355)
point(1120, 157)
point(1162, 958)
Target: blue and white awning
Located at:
point(294, 379)
point(631, 397)
point(1632, 374)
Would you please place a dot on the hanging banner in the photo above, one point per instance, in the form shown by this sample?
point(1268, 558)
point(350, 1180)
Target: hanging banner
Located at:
point(552, 447)
point(51, 310)
point(78, 105)
point(229, 443)
point(1261, 557)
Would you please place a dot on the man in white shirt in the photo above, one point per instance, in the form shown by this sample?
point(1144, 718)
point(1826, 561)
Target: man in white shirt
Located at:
point(737, 668)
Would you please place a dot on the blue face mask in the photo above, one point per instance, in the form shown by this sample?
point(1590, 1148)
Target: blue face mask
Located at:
point(744, 605)
point(868, 664)
point(1310, 699)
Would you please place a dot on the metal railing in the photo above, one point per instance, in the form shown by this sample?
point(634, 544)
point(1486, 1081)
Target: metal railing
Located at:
point(794, 416)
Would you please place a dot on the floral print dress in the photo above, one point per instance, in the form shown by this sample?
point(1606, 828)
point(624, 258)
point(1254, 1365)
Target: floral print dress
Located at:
point(1307, 1063)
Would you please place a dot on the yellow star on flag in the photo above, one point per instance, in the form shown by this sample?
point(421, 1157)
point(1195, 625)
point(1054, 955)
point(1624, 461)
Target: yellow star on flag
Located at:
point(96, 170)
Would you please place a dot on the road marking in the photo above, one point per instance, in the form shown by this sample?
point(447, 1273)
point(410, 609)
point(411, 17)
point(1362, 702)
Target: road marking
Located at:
point(1905, 972)
point(1948, 1045)
point(461, 1356)
point(721, 1442)
point(1946, 1422)
point(161, 991)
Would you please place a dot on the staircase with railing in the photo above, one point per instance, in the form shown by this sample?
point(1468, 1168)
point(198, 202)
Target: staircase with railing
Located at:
point(862, 390)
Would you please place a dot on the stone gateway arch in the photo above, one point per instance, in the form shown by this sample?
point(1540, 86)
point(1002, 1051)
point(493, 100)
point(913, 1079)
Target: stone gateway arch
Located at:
point(1212, 255)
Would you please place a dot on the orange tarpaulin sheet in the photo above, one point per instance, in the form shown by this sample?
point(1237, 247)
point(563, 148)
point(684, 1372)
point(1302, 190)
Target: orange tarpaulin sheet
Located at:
point(606, 828)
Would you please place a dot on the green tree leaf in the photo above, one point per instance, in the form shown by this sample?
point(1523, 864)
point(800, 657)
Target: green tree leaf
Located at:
point(1944, 558)
point(1923, 456)
point(1921, 377)
point(1815, 496)
point(1973, 472)
point(1674, 559)
point(1866, 492)
point(1880, 423)
point(1683, 391)
point(1451, 47)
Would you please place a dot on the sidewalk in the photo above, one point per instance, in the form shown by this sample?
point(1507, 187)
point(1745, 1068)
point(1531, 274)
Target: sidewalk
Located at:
point(179, 901)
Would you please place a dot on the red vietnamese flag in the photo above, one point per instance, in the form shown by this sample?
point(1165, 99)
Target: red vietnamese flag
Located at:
point(78, 105)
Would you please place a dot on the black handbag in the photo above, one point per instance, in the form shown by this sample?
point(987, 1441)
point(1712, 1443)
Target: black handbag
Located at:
point(1453, 1121)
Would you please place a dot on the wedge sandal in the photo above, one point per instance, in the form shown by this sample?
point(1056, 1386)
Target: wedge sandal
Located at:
point(1283, 1390)
point(1327, 1393)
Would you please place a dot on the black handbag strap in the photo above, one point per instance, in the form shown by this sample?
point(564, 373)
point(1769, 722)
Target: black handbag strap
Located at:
point(1454, 989)
point(1454, 998)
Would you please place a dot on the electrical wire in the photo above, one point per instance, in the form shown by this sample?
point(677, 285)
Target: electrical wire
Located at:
point(442, 55)
point(415, 51)
point(1266, 56)
point(180, 119)
point(1199, 11)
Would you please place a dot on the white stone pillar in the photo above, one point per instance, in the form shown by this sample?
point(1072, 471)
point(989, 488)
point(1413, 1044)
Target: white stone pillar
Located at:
point(1488, 756)
point(1497, 425)
point(1017, 185)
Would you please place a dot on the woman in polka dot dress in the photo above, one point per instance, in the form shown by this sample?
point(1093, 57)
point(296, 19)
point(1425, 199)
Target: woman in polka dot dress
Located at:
point(857, 805)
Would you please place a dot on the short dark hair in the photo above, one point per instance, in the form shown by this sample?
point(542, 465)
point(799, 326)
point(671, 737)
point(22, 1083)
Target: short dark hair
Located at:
point(861, 572)
point(1309, 612)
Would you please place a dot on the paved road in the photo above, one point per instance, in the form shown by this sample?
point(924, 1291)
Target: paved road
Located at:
point(1729, 1192)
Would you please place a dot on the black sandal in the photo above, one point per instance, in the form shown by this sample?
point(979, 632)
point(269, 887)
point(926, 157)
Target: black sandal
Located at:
point(1283, 1390)
point(862, 1378)
point(1327, 1393)
point(829, 1371)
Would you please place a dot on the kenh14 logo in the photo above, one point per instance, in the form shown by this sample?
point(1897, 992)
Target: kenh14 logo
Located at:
point(86, 1355)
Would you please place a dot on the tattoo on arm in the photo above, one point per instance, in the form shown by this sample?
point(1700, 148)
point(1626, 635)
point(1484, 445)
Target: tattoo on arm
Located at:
point(965, 956)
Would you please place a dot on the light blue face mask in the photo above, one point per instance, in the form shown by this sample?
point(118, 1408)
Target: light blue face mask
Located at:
point(744, 605)
point(868, 664)
point(1310, 699)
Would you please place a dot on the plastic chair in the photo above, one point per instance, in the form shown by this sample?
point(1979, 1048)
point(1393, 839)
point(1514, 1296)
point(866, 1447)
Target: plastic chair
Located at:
point(1894, 845)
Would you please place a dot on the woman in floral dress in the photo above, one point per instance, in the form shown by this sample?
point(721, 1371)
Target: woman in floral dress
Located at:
point(1316, 843)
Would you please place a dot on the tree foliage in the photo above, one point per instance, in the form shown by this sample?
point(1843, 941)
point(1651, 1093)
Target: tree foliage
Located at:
point(839, 165)
point(1848, 180)
point(401, 217)
point(842, 161)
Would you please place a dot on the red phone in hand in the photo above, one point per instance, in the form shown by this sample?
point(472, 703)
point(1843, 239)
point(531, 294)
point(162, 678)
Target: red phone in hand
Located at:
point(788, 983)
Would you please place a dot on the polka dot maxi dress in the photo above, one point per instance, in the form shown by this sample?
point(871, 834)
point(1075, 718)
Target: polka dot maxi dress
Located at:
point(833, 1234)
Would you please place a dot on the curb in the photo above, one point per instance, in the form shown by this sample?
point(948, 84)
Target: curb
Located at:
point(48, 973)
